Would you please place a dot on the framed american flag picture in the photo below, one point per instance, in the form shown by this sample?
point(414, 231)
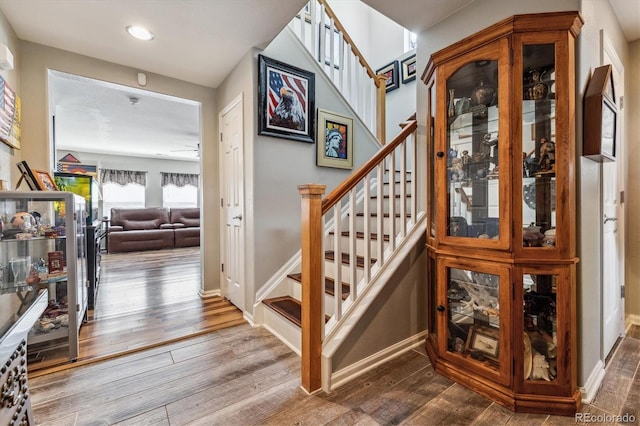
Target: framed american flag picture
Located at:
point(286, 101)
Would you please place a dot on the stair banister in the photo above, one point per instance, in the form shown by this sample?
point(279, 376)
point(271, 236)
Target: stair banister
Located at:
point(350, 85)
point(313, 209)
point(312, 285)
point(349, 183)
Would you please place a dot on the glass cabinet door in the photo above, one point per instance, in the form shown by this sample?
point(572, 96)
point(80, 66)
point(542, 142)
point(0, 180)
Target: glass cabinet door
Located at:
point(471, 152)
point(473, 329)
point(543, 327)
point(539, 146)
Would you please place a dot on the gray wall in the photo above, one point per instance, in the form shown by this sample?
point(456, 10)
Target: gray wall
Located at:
point(597, 14)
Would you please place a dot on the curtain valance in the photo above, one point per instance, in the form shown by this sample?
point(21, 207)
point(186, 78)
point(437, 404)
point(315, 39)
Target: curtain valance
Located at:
point(179, 179)
point(123, 177)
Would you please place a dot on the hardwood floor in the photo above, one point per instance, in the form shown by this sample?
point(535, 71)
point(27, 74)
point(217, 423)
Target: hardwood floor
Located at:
point(145, 299)
point(246, 376)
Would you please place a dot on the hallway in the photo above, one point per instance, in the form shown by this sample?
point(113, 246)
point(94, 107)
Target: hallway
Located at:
point(245, 376)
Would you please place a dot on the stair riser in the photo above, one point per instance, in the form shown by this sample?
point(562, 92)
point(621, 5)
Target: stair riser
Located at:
point(373, 224)
point(287, 331)
point(329, 271)
point(296, 292)
point(398, 185)
point(360, 244)
point(373, 205)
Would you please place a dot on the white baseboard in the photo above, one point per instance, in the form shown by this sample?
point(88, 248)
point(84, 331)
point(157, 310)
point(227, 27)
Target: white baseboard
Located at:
point(354, 370)
point(209, 293)
point(249, 318)
point(590, 388)
point(632, 320)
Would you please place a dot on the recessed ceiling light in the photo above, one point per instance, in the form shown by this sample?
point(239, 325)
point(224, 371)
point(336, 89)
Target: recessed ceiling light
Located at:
point(140, 33)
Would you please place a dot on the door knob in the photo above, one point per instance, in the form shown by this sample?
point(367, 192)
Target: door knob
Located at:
point(440, 308)
point(239, 217)
point(607, 219)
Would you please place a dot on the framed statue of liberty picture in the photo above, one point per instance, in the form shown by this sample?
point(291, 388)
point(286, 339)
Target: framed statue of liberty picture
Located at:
point(335, 140)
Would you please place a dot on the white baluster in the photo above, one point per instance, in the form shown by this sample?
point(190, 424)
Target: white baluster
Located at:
point(366, 229)
point(403, 189)
point(414, 176)
point(392, 200)
point(353, 264)
point(380, 215)
point(332, 51)
point(337, 264)
point(341, 63)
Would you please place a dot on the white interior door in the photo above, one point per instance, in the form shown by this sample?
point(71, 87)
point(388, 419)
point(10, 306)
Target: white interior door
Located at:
point(613, 218)
point(232, 194)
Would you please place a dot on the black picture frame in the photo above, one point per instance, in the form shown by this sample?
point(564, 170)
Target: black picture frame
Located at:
point(286, 96)
point(408, 67)
point(28, 176)
point(390, 71)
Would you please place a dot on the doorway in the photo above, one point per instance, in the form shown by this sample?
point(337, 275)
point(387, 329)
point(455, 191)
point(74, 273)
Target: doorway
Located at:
point(110, 126)
point(612, 237)
point(232, 245)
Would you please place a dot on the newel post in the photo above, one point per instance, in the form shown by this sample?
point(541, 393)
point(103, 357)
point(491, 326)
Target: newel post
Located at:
point(312, 315)
point(381, 114)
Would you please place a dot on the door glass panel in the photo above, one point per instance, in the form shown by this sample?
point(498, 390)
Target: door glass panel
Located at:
point(538, 145)
point(540, 328)
point(472, 151)
point(431, 167)
point(473, 314)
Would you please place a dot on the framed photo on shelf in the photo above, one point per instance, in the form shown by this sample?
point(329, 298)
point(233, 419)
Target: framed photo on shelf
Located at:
point(45, 181)
point(485, 340)
point(408, 68)
point(390, 71)
point(286, 101)
point(335, 140)
point(27, 175)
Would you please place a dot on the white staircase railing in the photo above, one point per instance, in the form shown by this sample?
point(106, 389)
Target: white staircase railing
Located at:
point(373, 225)
point(341, 60)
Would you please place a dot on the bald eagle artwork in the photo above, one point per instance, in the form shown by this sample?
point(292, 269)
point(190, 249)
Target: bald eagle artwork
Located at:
point(288, 113)
point(286, 101)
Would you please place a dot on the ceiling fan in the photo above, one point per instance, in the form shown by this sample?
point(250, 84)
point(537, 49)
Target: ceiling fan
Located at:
point(192, 148)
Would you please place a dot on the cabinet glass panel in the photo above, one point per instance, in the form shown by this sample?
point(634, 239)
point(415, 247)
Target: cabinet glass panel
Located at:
point(538, 145)
point(431, 178)
point(472, 151)
point(540, 328)
point(473, 315)
point(42, 246)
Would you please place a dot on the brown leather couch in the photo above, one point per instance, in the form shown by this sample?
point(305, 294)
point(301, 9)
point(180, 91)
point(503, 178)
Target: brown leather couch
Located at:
point(152, 229)
point(186, 223)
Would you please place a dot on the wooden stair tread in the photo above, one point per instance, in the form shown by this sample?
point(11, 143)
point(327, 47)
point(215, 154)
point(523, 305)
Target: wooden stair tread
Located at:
point(375, 197)
point(360, 235)
point(330, 255)
point(329, 285)
point(289, 308)
point(384, 215)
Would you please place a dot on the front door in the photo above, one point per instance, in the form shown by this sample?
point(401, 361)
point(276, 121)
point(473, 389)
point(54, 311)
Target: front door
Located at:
point(613, 218)
point(232, 194)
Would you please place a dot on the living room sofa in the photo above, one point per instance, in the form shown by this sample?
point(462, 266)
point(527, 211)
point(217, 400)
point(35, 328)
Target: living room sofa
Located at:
point(152, 228)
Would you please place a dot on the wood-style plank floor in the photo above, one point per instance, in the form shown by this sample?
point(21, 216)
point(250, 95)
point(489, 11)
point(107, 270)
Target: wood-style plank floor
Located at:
point(145, 299)
point(246, 376)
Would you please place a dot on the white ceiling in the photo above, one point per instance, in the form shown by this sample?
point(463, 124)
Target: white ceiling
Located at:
point(199, 41)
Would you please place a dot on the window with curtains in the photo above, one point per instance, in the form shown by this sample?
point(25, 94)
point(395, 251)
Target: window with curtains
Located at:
point(179, 190)
point(122, 189)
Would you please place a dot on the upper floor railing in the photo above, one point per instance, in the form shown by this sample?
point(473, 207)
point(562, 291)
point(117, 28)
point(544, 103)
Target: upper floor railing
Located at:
point(345, 65)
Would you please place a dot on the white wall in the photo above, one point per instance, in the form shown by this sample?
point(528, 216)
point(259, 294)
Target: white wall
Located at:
point(153, 167)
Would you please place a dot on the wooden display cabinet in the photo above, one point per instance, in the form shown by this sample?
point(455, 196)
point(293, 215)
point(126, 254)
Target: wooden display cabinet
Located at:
point(501, 234)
